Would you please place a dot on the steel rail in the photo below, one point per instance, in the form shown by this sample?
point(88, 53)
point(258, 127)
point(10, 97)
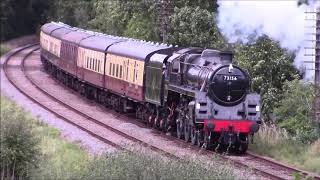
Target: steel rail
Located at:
point(88, 117)
point(5, 68)
point(206, 152)
point(283, 165)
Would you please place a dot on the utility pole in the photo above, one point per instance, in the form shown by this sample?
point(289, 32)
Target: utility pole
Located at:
point(164, 10)
point(317, 67)
point(313, 50)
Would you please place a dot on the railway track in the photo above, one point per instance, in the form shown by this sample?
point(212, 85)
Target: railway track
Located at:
point(278, 166)
point(16, 73)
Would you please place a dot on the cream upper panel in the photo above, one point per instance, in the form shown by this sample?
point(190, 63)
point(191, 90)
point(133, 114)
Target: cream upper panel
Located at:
point(50, 44)
point(126, 69)
point(44, 41)
point(91, 60)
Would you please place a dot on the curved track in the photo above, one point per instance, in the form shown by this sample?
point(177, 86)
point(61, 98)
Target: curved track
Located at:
point(17, 74)
point(107, 134)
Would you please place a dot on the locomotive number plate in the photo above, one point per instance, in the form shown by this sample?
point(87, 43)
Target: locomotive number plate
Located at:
point(230, 78)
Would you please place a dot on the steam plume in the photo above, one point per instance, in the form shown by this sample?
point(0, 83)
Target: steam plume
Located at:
point(281, 20)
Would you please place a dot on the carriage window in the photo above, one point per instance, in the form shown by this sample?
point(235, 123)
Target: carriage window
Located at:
point(96, 64)
point(117, 70)
point(110, 68)
point(113, 69)
point(175, 66)
point(69, 51)
point(127, 70)
point(72, 53)
point(62, 50)
point(93, 63)
point(134, 71)
point(133, 77)
point(136, 75)
point(99, 66)
point(87, 62)
point(50, 48)
point(66, 50)
point(120, 71)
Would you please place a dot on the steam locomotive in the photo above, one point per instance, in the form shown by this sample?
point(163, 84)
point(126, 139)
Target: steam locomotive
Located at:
point(195, 93)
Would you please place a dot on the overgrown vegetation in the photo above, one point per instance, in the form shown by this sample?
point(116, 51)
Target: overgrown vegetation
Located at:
point(19, 143)
point(125, 165)
point(278, 144)
point(60, 159)
point(198, 27)
point(287, 103)
point(270, 67)
point(188, 22)
point(294, 137)
point(22, 17)
point(295, 111)
point(3, 49)
point(32, 150)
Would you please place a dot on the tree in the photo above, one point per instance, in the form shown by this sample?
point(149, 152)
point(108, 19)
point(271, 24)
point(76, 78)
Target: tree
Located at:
point(20, 17)
point(73, 12)
point(269, 66)
point(209, 5)
point(124, 18)
point(140, 27)
point(295, 111)
point(190, 26)
point(19, 143)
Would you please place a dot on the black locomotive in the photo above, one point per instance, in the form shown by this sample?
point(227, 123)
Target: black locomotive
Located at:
point(195, 93)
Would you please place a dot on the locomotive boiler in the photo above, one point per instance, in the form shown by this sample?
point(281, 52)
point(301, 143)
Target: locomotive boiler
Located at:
point(222, 110)
point(196, 94)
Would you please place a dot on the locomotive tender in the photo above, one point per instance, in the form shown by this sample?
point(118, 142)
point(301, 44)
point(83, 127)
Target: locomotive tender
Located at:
point(194, 92)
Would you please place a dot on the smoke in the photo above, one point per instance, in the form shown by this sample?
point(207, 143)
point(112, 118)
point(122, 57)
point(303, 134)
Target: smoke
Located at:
point(282, 20)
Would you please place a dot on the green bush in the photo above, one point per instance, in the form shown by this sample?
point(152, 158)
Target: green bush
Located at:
point(269, 66)
point(60, 159)
point(19, 145)
point(3, 49)
point(193, 26)
point(127, 165)
point(139, 27)
point(295, 111)
point(275, 142)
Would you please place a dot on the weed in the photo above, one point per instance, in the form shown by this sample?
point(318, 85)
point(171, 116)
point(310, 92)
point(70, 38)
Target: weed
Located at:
point(3, 49)
point(19, 143)
point(135, 165)
point(277, 143)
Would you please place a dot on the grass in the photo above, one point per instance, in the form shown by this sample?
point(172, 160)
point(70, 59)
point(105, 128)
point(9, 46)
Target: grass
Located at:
point(57, 156)
point(276, 143)
point(61, 160)
point(136, 165)
point(3, 49)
